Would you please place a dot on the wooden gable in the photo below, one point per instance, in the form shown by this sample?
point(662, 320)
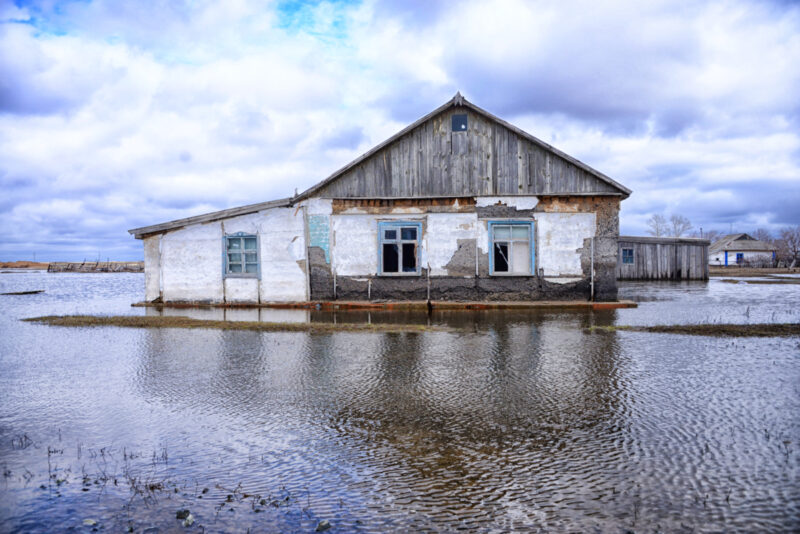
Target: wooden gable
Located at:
point(490, 158)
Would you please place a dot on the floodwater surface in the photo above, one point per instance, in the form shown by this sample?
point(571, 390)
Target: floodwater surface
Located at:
point(526, 421)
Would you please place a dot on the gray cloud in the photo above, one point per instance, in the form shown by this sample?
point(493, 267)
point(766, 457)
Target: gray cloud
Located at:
point(117, 115)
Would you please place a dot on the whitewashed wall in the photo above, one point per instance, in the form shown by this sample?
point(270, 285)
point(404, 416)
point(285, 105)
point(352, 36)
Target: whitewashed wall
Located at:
point(719, 257)
point(191, 263)
point(186, 264)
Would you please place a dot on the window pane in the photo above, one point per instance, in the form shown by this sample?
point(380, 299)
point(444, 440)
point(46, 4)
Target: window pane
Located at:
point(251, 268)
point(409, 257)
point(250, 243)
point(408, 234)
point(391, 258)
point(502, 232)
point(501, 257)
point(519, 231)
point(235, 268)
point(234, 258)
point(390, 234)
point(521, 258)
point(250, 257)
point(234, 243)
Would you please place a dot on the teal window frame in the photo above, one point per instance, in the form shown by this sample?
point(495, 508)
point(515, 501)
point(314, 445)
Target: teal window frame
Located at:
point(399, 225)
point(531, 225)
point(627, 256)
point(229, 252)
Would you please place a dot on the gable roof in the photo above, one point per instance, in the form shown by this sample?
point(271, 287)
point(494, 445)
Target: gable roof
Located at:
point(740, 242)
point(460, 101)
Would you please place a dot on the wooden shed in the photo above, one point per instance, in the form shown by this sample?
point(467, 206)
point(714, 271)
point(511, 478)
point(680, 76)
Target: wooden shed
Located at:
point(662, 258)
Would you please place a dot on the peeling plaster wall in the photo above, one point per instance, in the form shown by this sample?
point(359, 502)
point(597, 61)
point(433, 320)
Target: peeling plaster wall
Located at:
point(190, 259)
point(441, 240)
point(520, 203)
point(283, 255)
point(561, 236)
point(152, 267)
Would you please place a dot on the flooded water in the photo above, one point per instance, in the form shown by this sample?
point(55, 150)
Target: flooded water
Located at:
point(514, 421)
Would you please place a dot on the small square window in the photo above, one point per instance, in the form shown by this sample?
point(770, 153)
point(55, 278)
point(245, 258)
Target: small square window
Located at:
point(241, 257)
point(459, 122)
point(627, 255)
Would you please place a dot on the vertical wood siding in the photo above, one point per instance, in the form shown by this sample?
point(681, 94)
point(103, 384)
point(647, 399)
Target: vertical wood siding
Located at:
point(487, 159)
point(669, 259)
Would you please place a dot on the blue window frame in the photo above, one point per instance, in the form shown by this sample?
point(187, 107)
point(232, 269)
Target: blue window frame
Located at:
point(627, 255)
point(241, 256)
point(739, 257)
point(512, 248)
point(399, 248)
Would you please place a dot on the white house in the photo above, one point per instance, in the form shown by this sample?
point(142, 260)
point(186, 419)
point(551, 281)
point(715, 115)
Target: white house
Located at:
point(460, 205)
point(740, 249)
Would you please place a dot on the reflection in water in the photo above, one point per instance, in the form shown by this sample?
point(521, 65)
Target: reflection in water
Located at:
point(516, 421)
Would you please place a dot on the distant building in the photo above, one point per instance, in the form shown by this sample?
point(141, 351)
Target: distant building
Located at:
point(741, 249)
point(662, 258)
point(460, 205)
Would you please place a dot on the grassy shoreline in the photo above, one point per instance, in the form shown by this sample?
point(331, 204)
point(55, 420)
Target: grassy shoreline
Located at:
point(714, 330)
point(156, 321)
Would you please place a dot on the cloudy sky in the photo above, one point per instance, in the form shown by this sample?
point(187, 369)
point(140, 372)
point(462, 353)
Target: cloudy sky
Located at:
point(115, 115)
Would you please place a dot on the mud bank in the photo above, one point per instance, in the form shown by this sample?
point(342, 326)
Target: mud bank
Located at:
point(715, 330)
point(127, 321)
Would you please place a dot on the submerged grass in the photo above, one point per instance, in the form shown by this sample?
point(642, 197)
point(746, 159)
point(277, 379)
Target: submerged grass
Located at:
point(770, 280)
point(715, 330)
point(129, 321)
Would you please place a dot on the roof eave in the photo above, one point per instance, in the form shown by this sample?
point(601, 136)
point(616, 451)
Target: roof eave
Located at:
point(146, 231)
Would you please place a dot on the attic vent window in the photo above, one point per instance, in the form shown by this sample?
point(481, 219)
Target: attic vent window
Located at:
point(460, 122)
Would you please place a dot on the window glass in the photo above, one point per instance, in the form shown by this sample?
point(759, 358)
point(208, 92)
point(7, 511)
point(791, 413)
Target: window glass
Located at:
point(500, 257)
point(627, 255)
point(410, 256)
point(521, 258)
point(390, 234)
point(502, 232)
point(408, 233)
point(391, 258)
point(519, 231)
point(241, 256)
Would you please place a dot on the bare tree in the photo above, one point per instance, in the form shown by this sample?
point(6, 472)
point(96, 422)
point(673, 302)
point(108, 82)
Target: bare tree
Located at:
point(789, 244)
point(680, 225)
point(763, 234)
point(657, 225)
point(712, 235)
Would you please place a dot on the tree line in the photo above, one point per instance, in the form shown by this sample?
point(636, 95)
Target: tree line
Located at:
point(786, 241)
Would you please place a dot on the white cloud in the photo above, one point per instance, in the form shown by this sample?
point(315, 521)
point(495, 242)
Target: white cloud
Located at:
point(115, 115)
